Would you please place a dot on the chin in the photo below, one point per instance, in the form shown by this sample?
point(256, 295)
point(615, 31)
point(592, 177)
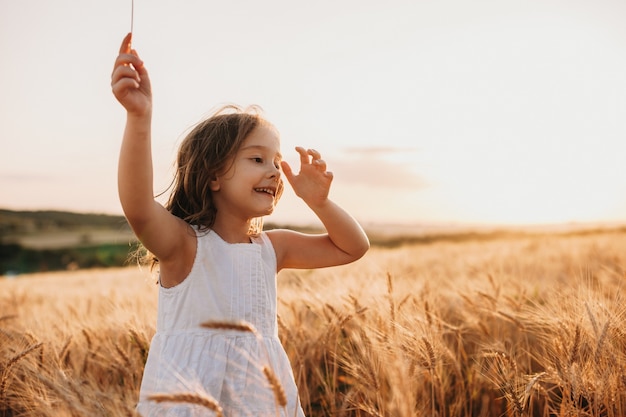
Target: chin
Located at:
point(265, 212)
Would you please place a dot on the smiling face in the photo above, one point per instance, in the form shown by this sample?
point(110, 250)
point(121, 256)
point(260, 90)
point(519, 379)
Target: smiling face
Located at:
point(251, 185)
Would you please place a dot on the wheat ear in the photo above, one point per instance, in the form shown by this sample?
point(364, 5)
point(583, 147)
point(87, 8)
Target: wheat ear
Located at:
point(573, 357)
point(189, 398)
point(240, 326)
point(279, 391)
point(15, 359)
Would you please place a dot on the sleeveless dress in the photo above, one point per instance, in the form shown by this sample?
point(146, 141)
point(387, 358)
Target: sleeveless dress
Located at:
point(232, 283)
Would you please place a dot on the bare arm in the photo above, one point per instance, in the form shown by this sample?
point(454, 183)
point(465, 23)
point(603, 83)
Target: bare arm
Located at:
point(149, 220)
point(345, 240)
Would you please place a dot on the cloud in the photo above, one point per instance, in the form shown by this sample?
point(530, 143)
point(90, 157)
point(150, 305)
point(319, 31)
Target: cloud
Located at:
point(379, 150)
point(374, 167)
point(22, 177)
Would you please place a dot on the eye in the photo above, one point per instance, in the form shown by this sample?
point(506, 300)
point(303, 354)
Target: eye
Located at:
point(257, 159)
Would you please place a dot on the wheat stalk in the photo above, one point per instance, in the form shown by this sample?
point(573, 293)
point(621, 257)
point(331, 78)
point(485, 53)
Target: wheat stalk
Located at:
point(529, 387)
point(31, 337)
point(573, 357)
point(432, 361)
point(429, 318)
point(601, 341)
point(123, 355)
point(332, 310)
point(87, 338)
point(277, 388)
point(355, 302)
point(511, 318)
point(140, 341)
point(65, 349)
point(189, 398)
point(392, 307)
point(404, 300)
point(239, 326)
point(41, 355)
point(61, 391)
point(8, 317)
point(592, 319)
point(11, 362)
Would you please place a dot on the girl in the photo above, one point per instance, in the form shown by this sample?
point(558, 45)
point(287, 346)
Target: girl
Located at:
point(213, 264)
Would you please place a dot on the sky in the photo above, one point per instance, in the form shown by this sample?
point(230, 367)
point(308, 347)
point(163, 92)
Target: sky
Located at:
point(427, 112)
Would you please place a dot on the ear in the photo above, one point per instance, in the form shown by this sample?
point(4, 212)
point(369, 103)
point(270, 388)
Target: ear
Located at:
point(215, 184)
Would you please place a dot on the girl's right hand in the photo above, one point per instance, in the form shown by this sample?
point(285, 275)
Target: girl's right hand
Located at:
point(130, 81)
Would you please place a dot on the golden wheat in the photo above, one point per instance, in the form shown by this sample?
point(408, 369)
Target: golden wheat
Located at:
point(277, 388)
point(240, 326)
point(189, 398)
point(531, 325)
point(6, 368)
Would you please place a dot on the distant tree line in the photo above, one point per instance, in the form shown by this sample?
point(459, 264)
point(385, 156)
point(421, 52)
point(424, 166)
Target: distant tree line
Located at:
point(15, 222)
point(15, 259)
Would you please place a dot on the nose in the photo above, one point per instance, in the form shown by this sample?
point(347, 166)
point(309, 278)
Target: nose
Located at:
point(274, 171)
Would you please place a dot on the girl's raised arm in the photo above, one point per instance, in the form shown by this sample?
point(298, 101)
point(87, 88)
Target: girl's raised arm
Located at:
point(345, 240)
point(149, 220)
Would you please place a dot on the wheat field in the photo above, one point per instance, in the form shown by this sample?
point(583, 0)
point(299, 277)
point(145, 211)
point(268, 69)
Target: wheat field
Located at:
point(533, 325)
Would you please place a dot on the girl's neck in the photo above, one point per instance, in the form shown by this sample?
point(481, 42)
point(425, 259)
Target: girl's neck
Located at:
point(232, 233)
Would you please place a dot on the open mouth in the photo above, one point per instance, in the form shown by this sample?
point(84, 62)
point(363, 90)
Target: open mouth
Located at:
point(269, 191)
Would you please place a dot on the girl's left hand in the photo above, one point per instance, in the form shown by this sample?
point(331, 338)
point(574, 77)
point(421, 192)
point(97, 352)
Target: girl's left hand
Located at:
point(312, 184)
point(130, 82)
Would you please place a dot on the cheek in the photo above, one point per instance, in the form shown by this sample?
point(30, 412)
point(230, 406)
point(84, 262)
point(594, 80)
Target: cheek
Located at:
point(279, 190)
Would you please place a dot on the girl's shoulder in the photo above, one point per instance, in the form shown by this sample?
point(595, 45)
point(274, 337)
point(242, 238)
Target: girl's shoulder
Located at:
point(278, 236)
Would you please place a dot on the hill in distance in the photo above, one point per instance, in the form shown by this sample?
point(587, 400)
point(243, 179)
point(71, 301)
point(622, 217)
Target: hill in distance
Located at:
point(48, 229)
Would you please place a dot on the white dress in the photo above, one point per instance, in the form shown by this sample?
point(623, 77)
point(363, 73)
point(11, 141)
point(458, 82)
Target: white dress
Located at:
point(233, 283)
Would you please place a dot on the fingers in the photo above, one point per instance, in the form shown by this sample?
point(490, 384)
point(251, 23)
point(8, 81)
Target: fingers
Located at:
point(127, 59)
point(287, 171)
point(129, 75)
point(315, 154)
point(123, 86)
point(128, 67)
point(320, 163)
point(125, 47)
point(304, 156)
point(311, 156)
point(316, 160)
point(124, 71)
point(127, 55)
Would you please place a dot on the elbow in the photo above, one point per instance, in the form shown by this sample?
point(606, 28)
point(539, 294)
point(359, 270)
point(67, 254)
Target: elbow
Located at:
point(366, 247)
point(361, 249)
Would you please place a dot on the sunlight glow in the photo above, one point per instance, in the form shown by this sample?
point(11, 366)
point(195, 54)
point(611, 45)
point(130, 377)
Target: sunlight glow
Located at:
point(449, 111)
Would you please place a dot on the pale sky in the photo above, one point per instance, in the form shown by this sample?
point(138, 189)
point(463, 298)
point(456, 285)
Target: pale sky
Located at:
point(426, 111)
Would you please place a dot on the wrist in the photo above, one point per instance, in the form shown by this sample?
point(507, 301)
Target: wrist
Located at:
point(138, 125)
point(139, 121)
point(139, 116)
point(319, 205)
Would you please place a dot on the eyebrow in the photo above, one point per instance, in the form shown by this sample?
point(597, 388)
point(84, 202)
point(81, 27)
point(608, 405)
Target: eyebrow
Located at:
point(262, 148)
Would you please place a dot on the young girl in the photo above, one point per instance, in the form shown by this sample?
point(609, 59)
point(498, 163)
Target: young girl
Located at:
point(213, 264)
